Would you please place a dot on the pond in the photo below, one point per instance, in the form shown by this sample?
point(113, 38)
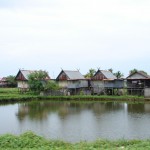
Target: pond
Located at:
point(76, 121)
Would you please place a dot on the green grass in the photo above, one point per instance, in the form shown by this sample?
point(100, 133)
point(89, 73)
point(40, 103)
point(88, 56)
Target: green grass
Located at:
point(30, 141)
point(13, 95)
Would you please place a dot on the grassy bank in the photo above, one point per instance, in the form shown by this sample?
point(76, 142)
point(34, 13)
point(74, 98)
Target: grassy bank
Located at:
point(13, 95)
point(31, 141)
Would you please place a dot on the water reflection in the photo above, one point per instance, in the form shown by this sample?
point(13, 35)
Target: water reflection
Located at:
point(136, 108)
point(76, 121)
point(40, 110)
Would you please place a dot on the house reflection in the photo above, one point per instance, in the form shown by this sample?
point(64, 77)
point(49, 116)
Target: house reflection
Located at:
point(136, 108)
point(41, 110)
point(34, 111)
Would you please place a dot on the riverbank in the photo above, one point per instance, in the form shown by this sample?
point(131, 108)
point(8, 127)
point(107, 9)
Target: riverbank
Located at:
point(31, 141)
point(8, 95)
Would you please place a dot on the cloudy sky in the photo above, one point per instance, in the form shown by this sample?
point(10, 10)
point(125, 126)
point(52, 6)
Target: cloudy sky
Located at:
point(74, 34)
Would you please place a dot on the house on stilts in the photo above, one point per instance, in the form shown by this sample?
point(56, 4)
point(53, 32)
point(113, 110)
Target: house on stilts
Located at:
point(22, 79)
point(105, 82)
point(137, 82)
point(72, 82)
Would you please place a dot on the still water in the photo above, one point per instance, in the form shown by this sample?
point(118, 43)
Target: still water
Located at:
point(73, 121)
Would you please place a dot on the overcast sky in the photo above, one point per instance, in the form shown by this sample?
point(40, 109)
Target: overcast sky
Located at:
point(74, 34)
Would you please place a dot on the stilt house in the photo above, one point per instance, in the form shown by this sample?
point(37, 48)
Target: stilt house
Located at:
point(22, 79)
point(4, 82)
point(104, 82)
point(72, 82)
point(137, 82)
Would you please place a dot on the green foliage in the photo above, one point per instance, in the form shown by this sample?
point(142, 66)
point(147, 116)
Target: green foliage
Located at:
point(118, 74)
point(90, 73)
point(111, 70)
point(144, 72)
point(132, 71)
point(30, 141)
point(51, 85)
point(8, 91)
point(136, 70)
point(12, 95)
point(37, 80)
point(82, 93)
point(11, 81)
point(38, 75)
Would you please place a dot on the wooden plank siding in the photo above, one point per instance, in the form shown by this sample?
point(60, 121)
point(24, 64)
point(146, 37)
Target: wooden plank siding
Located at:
point(20, 77)
point(105, 82)
point(137, 82)
point(72, 82)
point(63, 76)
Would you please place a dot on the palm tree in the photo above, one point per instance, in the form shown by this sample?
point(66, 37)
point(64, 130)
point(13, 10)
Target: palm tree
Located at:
point(90, 73)
point(132, 71)
point(111, 70)
point(118, 74)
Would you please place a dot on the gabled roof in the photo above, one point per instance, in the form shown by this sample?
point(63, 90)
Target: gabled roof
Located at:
point(143, 75)
point(3, 79)
point(72, 75)
point(107, 75)
point(26, 73)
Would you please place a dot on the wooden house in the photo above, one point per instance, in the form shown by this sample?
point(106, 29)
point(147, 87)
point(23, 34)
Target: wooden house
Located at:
point(22, 79)
point(4, 82)
point(137, 82)
point(104, 82)
point(72, 82)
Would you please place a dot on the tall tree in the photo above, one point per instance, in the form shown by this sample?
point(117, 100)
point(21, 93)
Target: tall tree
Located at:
point(136, 70)
point(51, 85)
point(111, 70)
point(143, 72)
point(11, 81)
point(132, 71)
point(90, 73)
point(118, 74)
point(37, 80)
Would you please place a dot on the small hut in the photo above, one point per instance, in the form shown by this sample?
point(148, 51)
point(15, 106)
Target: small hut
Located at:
point(137, 82)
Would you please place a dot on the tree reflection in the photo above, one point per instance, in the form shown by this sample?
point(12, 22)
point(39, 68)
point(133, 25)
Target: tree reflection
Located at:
point(40, 110)
point(35, 110)
point(107, 107)
point(136, 108)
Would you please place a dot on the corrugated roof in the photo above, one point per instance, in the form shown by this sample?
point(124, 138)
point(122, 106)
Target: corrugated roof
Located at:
point(74, 75)
point(26, 73)
point(144, 74)
point(139, 72)
point(108, 74)
point(4, 79)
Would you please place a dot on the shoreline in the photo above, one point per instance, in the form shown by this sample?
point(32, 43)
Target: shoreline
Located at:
point(26, 98)
point(30, 140)
point(12, 95)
